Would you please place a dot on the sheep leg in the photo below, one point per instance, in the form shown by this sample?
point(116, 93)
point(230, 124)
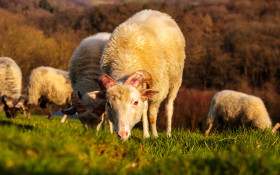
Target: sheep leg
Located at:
point(99, 126)
point(111, 127)
point(64, 118)
point(208, 129)
point(27, 113)
point(153, 118)
point(47, 113)
point(169, 107)
point(101, 122)
point(276, 127)
point(43, 105)
point(169, 112)
point(85, 126)
point(145, 121)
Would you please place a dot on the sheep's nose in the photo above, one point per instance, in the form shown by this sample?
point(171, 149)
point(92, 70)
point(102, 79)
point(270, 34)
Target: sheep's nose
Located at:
point(123, 135)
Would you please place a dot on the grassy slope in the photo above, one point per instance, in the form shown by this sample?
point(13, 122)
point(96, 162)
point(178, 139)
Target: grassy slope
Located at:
point(49, 147)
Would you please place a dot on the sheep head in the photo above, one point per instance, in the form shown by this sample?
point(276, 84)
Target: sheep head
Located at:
point(89, 111)
point(125, 102)
point(12, 107)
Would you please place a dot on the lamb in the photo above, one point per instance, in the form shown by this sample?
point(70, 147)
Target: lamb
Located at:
point(84, 67)
point(48, 85)
point(10, 87)
point(235, 108)
point(147, 49)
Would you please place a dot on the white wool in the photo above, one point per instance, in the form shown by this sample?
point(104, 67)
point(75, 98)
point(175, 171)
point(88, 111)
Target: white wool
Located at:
point(236, 108)
point(10, 78)
point(54, 84)
point(84, 69)
point(84, 65)
point(149, 41)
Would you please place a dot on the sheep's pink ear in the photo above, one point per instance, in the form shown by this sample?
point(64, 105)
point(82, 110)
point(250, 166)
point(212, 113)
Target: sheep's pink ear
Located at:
point(148, 93)
point(97, 95)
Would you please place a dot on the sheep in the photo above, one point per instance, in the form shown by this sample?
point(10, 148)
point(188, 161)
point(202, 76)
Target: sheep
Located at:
point(84, 67)
point(147, 49)
point(10, 87)
point(48, 85)
point(234, 108)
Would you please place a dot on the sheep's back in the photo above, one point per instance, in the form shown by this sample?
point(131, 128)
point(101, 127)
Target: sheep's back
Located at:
point(235, 107)
point(84, 65)
point(10, 78)
point(255, 110)
point(52, 83)
point(150, 41)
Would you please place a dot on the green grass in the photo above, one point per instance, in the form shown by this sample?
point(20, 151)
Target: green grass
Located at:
point(50, 147)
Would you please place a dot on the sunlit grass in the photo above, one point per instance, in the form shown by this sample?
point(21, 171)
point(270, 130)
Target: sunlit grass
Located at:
point(40, 146)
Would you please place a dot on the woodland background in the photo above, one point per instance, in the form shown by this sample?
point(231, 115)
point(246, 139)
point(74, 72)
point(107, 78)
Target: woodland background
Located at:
point(230, 44)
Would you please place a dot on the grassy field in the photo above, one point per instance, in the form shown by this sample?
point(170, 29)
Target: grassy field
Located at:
point(50, 147)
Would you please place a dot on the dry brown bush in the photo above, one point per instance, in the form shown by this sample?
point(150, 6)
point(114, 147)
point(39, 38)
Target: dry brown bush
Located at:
point(30, 47)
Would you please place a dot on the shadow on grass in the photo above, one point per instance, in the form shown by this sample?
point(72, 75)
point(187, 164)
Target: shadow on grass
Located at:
point(19, 126)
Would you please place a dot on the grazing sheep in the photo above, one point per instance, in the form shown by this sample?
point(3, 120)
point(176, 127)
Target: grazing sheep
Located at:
point(48, 85)
point(235, 108)
point(10, 87)
point(84, 67)
point(147, 48)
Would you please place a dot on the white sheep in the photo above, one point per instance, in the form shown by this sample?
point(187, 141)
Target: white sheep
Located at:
point(231, 108)
point(10, 87)
point(147, 48)
point(84, 68)
point(48, 85)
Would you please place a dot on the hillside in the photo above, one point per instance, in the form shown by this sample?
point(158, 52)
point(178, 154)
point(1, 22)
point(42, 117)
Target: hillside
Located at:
point(33, 6)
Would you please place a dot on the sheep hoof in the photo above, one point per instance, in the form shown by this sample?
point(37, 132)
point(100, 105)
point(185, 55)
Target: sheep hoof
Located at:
point(50, 117)
point(145, 136)
point(155, 135)
point(168, 134)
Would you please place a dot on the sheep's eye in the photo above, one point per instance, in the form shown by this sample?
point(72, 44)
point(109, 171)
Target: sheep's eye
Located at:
point(136, 103)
